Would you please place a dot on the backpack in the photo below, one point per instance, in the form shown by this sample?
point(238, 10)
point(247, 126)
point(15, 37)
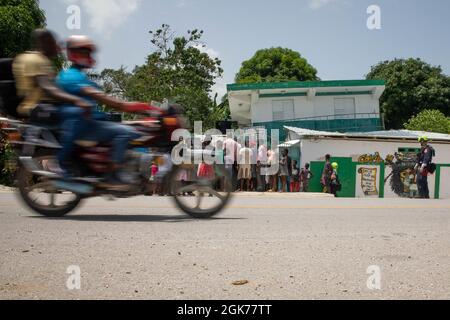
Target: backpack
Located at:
point(9, 101)
point(337, 183)
point(432, 166)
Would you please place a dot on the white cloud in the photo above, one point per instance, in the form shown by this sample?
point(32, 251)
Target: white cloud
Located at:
point(317, 4)
point(220, 87)
point(211, 52)
point(107, 15)
point(181, 4)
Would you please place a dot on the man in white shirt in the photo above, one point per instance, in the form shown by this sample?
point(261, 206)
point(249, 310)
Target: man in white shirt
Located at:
point(245, 166)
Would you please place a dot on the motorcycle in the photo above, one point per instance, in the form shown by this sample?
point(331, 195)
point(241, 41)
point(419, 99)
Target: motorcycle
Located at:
point(49, 194)
point(46, 192)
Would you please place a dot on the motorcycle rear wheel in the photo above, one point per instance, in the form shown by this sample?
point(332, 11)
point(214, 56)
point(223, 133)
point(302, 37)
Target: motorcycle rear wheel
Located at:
point(33, 188)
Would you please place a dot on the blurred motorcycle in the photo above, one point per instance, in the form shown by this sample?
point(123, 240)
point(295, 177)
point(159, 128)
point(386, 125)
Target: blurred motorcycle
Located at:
point(46, 192)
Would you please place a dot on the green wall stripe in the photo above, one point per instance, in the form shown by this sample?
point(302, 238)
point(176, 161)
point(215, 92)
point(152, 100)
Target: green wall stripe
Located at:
point(382, 174)
point(437, 181)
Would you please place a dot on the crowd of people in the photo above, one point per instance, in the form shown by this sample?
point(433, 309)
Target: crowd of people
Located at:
point(251, 169)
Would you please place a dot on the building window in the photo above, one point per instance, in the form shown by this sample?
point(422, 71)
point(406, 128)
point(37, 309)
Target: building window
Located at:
point(283, 110)
point(344, 107)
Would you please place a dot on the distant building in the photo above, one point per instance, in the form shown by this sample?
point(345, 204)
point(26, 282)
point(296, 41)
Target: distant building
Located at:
point(342, 105)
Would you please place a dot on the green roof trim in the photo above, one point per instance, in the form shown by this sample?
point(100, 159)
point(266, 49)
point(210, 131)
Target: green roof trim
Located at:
point(348, 93)
point(305, 84)
point(318, 94)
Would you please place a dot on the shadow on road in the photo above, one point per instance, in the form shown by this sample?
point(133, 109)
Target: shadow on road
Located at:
point(131, 218)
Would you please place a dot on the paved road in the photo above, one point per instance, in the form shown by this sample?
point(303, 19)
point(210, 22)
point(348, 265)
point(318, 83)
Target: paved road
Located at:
point(285, 247)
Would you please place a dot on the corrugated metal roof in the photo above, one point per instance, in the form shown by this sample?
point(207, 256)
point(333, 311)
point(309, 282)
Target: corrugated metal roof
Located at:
point(392, 134)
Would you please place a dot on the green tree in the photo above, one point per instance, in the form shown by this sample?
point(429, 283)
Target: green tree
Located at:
point(430, 121)
point(276, 65)
point(412, 86)
point(177, 70)
point(18, 18)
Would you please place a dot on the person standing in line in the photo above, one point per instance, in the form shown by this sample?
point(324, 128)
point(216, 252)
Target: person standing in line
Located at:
point(295, 177)
point(305, 176)
point(220, 164)
point(284, 169)
point(245, 168)
point(424, 167)
point(153, 172)
point(326, 175)
point(335, 184)
point(254, 159)
point(273, 178)
point(261, 163)
point(232, 147)
point(206, 171)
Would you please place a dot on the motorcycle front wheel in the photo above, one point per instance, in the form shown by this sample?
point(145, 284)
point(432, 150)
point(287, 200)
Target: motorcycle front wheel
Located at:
point(200, 198)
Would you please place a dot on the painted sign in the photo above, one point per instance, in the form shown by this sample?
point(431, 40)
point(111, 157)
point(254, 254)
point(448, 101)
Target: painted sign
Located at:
point(369, 181)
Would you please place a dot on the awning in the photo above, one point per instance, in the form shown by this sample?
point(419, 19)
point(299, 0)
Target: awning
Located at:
point(382, 135)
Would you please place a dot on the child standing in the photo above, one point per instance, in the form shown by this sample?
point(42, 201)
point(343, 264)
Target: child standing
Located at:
point(335, 182)
point(206, 171)
point(305, 176)
point(153, 173)
point(295, 177)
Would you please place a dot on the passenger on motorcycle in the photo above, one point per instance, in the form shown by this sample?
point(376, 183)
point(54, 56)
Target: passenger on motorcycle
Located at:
point(89, 124)
point(35, 80)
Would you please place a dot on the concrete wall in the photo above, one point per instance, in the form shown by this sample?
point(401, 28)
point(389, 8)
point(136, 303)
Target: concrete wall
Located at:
point(315, 150)
point(445, 183)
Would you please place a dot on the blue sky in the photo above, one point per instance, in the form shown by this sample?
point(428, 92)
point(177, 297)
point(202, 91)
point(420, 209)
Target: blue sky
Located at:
point(331, 34)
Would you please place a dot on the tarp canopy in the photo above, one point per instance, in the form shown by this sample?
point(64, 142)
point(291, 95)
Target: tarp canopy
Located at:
point(383, 135)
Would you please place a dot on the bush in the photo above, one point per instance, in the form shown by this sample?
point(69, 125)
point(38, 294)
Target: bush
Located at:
point(7, 161)
point(430, 121)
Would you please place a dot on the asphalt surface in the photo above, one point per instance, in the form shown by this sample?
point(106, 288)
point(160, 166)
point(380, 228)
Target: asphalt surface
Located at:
point(279, 247)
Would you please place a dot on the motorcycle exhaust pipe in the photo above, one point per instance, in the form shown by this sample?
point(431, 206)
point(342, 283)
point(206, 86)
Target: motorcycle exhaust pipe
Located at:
point(78, 188)
point(75, 187)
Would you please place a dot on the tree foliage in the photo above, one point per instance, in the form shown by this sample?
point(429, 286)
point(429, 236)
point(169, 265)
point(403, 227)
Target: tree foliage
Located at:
point(430, 121)
point(176, 70)
point(276, 65)
point(18, 18)
point(412, 86)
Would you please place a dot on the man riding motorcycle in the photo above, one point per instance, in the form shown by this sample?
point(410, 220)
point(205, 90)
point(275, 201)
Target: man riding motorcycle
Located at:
point(87, 124)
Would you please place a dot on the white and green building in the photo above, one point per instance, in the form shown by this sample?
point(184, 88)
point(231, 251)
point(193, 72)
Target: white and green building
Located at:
point(342, 105)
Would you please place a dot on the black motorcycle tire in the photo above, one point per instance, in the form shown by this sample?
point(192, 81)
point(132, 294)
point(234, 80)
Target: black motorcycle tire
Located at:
point(205, 214)
point(23, 177)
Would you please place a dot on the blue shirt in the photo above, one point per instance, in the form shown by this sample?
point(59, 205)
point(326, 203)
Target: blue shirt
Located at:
point(72, 81)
